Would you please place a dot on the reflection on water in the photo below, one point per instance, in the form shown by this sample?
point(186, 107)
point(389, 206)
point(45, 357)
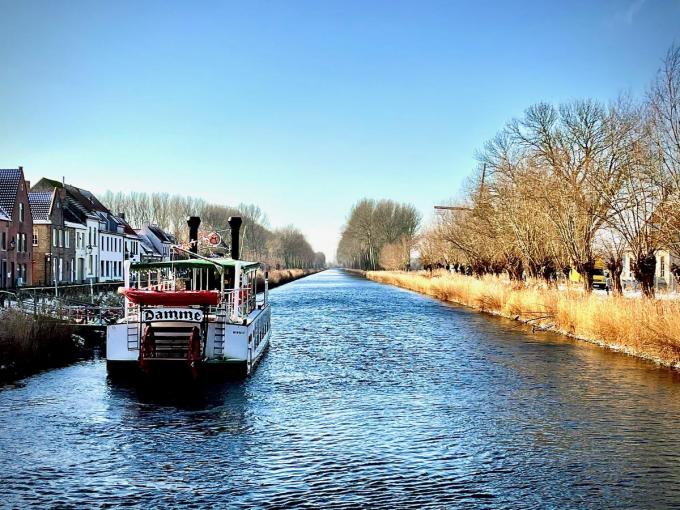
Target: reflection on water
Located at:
point(369, 395)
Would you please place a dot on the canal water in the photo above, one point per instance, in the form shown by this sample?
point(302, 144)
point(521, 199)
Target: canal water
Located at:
point(369, 396)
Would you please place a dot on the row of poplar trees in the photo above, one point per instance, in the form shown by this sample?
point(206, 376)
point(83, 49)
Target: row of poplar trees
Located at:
point(378, 234)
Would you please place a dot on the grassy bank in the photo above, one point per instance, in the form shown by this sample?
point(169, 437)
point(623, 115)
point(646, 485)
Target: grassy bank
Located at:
point(648, 329)
point(28, 345)
point(278, 277)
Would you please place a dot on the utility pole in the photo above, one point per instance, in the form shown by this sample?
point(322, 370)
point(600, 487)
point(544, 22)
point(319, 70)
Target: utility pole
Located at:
point(451, 208)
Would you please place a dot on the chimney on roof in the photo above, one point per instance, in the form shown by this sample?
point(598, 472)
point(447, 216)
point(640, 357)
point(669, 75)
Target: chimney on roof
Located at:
point(235, 225)
point(63, 181)
point(21, 168)
point(121, 215)
point(193, 222)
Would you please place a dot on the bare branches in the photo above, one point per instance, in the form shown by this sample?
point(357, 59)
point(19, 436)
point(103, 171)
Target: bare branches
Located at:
point(283, 248)
point(371, 226)
point(567, 184)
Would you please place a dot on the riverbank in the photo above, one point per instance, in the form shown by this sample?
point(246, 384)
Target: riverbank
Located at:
point(278, 277)
point(648, 329)
point(31, 344)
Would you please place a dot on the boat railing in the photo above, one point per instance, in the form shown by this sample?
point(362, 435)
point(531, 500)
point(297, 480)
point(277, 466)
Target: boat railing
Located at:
point(167, 285)
point(235, 305)
point(239, 303)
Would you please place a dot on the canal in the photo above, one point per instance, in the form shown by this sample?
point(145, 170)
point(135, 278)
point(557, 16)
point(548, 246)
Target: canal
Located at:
point(369, 395)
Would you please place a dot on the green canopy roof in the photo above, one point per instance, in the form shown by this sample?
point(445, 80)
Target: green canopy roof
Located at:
point(221, 264)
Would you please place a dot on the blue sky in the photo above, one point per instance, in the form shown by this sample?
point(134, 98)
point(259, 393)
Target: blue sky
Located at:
point(301, 107)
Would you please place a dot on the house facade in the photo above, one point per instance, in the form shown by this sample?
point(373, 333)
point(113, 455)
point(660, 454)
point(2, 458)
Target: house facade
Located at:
point(111, 249)
point(16, 230)
point(53, 239)
point(159, 239)
point(663, 278)
point(98, 237)
point(133, 242)
point(80, 250)
point(147, 251)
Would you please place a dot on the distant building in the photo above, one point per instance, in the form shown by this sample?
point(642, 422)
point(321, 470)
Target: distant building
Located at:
point(99, 246)
point(132, 240)
point(111, 247)
point(147, 251)
point(54, 252)
point(16, 230)
point(159, 239)
point(663, 277)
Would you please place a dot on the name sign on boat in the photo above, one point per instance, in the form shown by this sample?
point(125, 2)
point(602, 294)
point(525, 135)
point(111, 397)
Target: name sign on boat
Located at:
point(173, 314)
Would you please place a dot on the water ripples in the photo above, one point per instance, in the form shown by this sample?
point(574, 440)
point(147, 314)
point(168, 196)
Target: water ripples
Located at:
point(369, 396)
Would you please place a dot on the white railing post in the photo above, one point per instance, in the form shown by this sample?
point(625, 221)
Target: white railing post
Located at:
point(237, 289)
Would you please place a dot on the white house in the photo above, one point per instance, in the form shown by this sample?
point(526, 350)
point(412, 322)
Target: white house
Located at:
point(159, 239)
point(147, 252)
point(133, 249)
point(111, 248)
point(664, 278)
point(78, 267)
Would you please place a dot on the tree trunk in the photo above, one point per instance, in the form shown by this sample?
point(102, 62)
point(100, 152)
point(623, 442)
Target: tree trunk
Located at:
point(586, 269)
point(615, 266)
point(644, 269)
point(515, 270)
point(616, 281)
point(549, 272)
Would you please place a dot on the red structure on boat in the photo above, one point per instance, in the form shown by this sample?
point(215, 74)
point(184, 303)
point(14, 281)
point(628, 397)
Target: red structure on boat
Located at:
point(172, 298)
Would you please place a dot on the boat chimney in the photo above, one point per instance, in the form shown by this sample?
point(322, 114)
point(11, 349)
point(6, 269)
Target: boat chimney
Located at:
point(193, 222)
point(235, 225)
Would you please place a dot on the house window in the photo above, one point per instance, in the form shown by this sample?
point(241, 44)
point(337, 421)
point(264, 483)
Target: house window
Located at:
point(61, 238)
point(21, 212)
point(66, 239)
point(4, 241)
point(54, 237)
point(35, 237)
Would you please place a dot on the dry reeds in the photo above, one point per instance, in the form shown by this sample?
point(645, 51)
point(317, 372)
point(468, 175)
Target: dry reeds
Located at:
point(646, 328)
point(279, 277)
point(29, 344)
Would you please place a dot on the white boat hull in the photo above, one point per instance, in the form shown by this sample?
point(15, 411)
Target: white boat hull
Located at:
point(226, 347)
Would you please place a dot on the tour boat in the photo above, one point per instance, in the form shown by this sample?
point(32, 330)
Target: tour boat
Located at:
point(193, 314)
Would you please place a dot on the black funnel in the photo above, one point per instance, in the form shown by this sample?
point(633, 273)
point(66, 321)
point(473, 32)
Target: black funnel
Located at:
point(193, 222)
point(235, 225)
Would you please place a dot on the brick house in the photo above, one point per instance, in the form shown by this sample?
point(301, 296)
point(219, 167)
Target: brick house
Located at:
point(4, 233)
point(53, 238)
point(16, 247)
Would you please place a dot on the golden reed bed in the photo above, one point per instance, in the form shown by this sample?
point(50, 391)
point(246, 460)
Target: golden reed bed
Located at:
point(648, 329)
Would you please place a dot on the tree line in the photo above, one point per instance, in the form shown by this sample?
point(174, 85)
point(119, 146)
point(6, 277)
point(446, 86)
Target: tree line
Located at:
point(565, 185)
point(378, 234)
point(280, 248)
